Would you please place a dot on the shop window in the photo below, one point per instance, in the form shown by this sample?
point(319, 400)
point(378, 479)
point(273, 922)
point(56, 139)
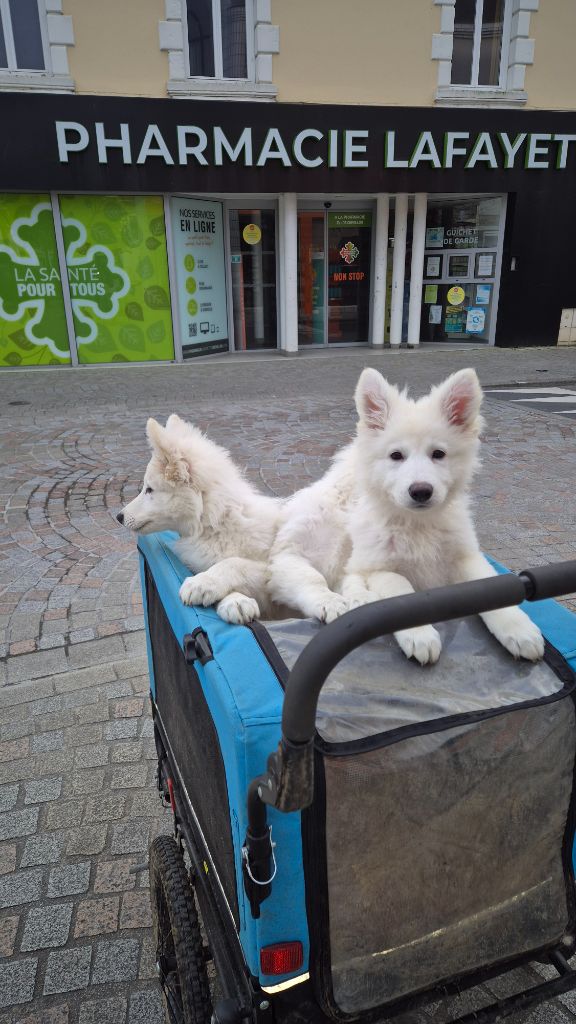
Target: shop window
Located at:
point(477, 47)
point(253, 266)
point(463, 245)
point(217, 32)
point(33, 329)
point(118, 277)
point(21, 42)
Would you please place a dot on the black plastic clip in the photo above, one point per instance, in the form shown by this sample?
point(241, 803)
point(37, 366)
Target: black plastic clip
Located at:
point(197, 647)
point(258, 867)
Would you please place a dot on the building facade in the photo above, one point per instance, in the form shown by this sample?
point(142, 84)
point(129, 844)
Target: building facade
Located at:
point(183, 177)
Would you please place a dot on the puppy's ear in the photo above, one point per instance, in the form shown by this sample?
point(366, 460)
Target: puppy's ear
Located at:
point(460, 399)
point(174, 422)
point(157, 438)
point(374, 398)
point(175, 468)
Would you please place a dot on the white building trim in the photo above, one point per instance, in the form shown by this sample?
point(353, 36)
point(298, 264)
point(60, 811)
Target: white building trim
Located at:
point(380, 270)
point(288, 251)
point(262, 43)
point(517, 52)
point(57, 35)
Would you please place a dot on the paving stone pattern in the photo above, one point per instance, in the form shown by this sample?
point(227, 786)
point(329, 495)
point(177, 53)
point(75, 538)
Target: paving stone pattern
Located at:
point(78, 804)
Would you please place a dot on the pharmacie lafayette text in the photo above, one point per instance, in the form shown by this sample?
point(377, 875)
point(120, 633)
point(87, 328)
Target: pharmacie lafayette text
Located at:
point(351, 148)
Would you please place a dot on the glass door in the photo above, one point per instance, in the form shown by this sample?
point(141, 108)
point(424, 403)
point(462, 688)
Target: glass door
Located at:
point(334, 264)
point(349, 262)
point(253, 268)
point(311, 279)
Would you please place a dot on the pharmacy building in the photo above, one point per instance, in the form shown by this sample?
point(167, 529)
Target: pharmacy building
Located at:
point(227, 188)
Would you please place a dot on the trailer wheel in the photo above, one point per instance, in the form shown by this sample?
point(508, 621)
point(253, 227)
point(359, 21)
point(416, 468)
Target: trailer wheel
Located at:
point(177, 937)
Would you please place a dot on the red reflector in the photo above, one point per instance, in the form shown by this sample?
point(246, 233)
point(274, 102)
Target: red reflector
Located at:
point(282, 958)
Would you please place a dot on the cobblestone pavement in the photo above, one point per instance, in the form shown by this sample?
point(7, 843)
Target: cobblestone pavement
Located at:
point(77, 799)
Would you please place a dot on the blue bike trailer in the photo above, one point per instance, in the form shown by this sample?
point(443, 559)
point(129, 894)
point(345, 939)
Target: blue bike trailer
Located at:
point(429, 836)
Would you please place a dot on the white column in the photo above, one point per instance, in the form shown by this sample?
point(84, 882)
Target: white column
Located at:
point(287, 210)
point(417, 267)
point(398, 261)
point(380, 268)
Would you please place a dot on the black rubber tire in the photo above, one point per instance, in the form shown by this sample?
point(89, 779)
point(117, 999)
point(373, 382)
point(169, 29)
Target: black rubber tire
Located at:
point(177, 937)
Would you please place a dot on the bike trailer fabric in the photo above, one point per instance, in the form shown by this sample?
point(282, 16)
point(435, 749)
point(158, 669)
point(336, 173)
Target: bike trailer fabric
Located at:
point(439, 837)
point(438, 840)
point(221, 720)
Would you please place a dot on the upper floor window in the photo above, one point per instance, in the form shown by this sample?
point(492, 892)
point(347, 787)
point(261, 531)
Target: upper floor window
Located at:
point(479, 33)
point(217, 33)
point(21, 38)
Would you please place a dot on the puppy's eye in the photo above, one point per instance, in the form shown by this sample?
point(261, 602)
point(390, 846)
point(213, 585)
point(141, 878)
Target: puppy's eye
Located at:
point(148, 490)
point(438, 453)
point(397, 456)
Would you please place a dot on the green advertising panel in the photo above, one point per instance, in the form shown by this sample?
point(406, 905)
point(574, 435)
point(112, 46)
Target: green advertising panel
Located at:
point(33, 328)
point(118, 277)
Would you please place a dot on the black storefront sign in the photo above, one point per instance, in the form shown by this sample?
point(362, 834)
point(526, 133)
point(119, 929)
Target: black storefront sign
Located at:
point(133, 144)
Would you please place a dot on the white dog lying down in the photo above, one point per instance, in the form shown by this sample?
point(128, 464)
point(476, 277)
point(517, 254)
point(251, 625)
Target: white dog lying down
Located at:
point(226, 527)
point(391, 515)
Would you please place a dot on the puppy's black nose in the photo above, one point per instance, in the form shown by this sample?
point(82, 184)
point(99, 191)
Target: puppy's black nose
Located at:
point(420, 492)
point(120, 517)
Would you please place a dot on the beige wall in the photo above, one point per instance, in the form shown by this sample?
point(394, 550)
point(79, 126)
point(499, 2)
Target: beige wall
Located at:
point(331, 51)
point(551, 80)
point(116, 47)
point(356, 51)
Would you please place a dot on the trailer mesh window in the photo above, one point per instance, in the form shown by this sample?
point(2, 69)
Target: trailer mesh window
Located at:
point(439, 842)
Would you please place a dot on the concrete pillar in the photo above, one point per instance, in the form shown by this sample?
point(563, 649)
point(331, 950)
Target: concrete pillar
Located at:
point(287, 209)
point(398, 261)
point(417, 267)
point(380, 268)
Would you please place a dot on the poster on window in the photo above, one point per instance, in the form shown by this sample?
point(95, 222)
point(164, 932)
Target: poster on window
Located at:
point(485, 264)
point(435, 238)
point(198, 240)
point(33, 329)
point(118, 277)
point(433, 266)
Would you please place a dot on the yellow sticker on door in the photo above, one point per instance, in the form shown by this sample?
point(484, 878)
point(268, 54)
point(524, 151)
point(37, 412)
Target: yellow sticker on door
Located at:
point(252, 234)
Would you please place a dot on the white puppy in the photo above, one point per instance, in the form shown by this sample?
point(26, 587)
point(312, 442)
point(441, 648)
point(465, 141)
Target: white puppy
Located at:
point(226, 527)
point(391, 515)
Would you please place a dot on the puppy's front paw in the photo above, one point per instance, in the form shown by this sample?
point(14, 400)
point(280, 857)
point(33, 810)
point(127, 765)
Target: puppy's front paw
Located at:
point(331, 608)
point(516, 632)
point(198, 590)
point(422, 643)
point(238, 608)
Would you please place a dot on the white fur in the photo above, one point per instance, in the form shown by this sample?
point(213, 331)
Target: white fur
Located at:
point(359, 535)
point(226, 527)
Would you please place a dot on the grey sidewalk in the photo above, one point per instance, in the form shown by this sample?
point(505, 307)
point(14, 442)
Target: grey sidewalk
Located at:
point(76, 761)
